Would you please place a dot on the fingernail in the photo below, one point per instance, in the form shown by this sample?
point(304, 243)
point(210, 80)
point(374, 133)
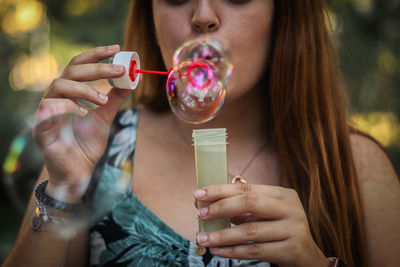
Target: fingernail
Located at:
point(215, 249)
point(103, 97)
point(117, 68)
point(203, 211)
point(84, 111)
point(200, 193)
point(202, 238)
point(113, 47)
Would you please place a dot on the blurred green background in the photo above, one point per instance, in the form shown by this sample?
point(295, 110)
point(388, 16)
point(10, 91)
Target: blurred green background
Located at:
point(38, 38)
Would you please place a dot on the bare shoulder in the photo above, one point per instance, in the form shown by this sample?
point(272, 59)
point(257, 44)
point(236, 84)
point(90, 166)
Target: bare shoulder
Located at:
point(372, 163)
point(380, 194)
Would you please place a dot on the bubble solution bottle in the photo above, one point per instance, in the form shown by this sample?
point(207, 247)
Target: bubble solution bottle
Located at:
point(211, 168)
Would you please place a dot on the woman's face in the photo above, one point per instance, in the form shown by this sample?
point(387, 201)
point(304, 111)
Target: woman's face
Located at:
point(243, 26)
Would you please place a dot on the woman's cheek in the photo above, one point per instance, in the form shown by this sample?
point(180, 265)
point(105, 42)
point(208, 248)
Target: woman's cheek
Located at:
point(248, 71)
point(170, 35)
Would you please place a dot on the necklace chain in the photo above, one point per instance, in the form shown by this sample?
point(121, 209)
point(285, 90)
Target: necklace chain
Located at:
point(244, 168)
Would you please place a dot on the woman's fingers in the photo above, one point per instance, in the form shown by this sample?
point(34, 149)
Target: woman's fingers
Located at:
point(277, 223)
point(266, 231)
point(81, 68)
point(92, 71)
point(116, 97)
point(52, 107)
point(258, 205)
point(85, 67)
point(67, 89)
point(270, 252)
point(244, 218)
point(95, 55)
point(45, 122)
point(220, 191)
point(63, 88)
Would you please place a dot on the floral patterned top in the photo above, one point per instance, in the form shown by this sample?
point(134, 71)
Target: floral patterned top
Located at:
point(129, 234)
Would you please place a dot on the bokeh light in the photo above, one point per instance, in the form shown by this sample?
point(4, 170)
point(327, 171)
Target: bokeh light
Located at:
point(363, 6)
point(368, 40)
point(387, 63)
point(26, 16)
point(79, 7)
point(384, 127)
point(11, 163)
point(37, 40)
point(34, 73)
point(21, 168)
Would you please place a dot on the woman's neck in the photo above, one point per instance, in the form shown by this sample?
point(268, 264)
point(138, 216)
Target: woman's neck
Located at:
point(243, 119)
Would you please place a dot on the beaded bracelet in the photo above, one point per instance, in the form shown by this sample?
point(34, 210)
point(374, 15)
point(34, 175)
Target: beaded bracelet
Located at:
point(47, 200)
point(43, 220)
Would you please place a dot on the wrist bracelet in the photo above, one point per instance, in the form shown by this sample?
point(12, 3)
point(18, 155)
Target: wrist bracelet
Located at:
point(43, 220)
point(47, 200)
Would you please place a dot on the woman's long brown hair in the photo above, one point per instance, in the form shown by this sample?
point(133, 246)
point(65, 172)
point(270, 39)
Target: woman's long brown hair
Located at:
point(304, 112)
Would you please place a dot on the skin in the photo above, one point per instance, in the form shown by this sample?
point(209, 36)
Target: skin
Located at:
point(280, 231)
point(227, 21)
point(277, 222)
point(67, 164)
point(380, 194)
point(286, 229)
point(90, 128)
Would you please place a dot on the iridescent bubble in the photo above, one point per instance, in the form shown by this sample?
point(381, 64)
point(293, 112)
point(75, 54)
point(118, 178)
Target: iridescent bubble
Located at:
point(105, 185)
point(21, 167)
point(101, 188)
point(206, 48)
point(197, 84)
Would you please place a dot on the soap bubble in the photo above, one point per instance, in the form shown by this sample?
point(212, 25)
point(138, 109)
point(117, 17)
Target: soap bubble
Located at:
point(197, 84)
point(21, 167)
point(101, 189)
point(195, 91)
point(207, 49)
point(110, 181)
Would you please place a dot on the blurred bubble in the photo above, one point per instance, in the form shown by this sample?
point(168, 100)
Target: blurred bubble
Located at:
point(75, 141)
point(78, 142)
point(11, 163)
point(21, 168)
point(197, 84)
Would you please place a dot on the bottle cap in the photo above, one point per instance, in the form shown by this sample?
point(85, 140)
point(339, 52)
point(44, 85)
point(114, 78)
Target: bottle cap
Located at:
point(209, 137)
point(131, 62)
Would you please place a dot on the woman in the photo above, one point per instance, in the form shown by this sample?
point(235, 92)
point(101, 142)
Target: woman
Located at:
point(315, 187)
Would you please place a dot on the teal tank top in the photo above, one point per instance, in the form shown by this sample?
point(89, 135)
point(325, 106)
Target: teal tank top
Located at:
point(129, 234)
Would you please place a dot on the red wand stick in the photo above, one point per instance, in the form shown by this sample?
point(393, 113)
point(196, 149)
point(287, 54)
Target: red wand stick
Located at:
point(152, 72)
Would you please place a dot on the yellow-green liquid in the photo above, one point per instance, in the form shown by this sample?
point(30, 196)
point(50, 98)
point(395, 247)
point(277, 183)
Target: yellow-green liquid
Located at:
point(211, 168)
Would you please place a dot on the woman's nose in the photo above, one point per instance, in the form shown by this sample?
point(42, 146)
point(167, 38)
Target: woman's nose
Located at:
point(205, 18)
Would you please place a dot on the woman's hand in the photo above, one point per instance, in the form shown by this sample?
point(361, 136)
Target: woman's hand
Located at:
point(271, 225)
point(70, 137)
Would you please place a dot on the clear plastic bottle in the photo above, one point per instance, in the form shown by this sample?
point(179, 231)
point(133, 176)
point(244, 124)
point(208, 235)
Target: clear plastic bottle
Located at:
point(211, 168)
